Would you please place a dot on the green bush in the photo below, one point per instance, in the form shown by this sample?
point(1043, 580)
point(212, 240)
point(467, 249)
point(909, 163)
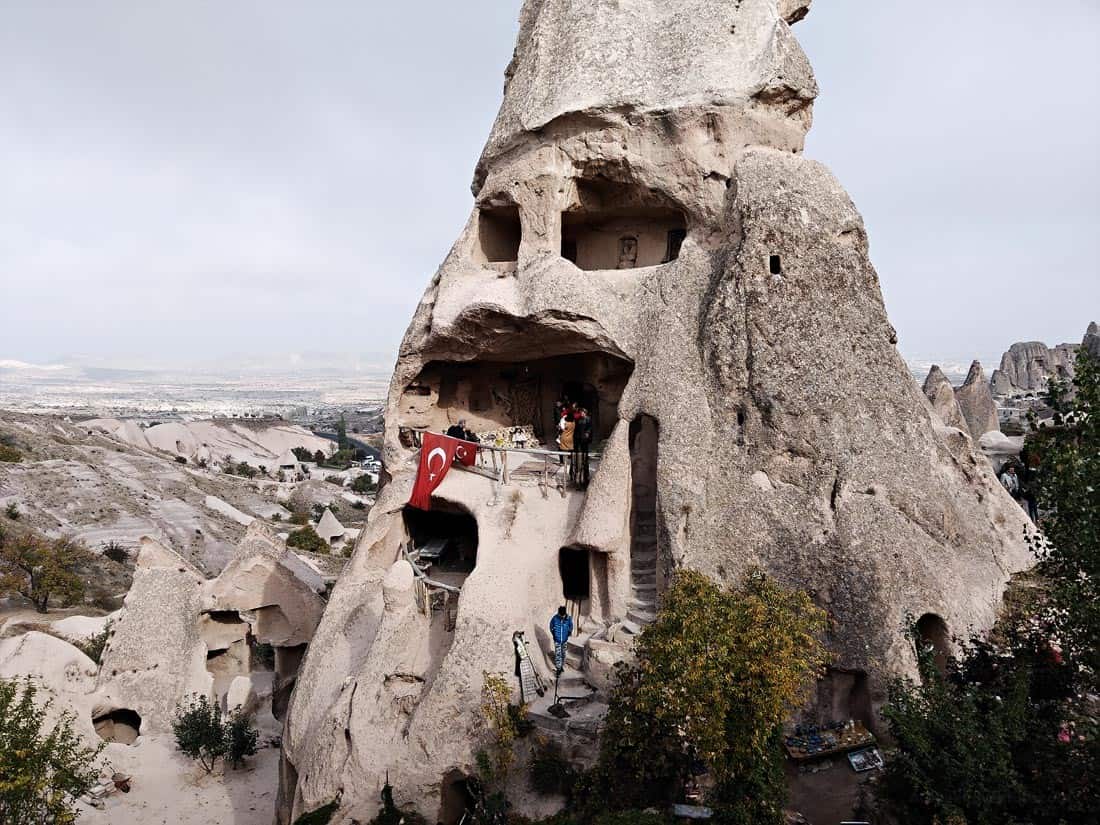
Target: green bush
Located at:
point(10, 455)
point(203, 733)
point(632, 818)
point(241, 737)
point(116, 552)
point(549, 772)
point(42, 569)
point(308, 540)
point(363, 484)
point(93, 647)
point(41, 771)
point(12, 511)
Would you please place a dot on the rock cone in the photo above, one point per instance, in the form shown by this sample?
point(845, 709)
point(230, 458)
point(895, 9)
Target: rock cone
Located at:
point(941, 395)
point(647, 242)
point(976, 403)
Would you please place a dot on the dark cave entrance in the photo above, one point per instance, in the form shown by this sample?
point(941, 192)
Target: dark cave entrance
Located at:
point(575, 569)
point(499, 234)
point(444, 541)
point(455, 798)
point(935, 638)
point(121, 725)
point(514, 403)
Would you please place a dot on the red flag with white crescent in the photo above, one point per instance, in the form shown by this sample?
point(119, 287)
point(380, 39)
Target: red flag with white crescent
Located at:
point(437, 453)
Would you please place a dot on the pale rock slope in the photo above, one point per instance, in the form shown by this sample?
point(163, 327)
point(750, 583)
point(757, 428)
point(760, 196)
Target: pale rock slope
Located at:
point(214, 440)
point(78, 480)
point(648, 238)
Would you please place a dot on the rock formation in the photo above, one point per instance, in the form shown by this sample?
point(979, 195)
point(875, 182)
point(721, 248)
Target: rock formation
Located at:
point(181, 634)
point(1091, 342)
point(1029, 366)
point(976, 403)
point(648, 240)
point(941, 395)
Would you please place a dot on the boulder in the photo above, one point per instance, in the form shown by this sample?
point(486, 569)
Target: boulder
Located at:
point(975, 401)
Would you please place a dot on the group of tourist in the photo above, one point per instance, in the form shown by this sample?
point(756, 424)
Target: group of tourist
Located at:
point(575, 430)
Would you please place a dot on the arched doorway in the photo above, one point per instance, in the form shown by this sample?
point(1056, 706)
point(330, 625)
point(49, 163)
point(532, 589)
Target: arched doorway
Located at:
point(935, 638)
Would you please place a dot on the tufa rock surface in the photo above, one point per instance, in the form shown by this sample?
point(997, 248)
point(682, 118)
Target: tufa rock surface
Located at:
point(1028, 366)
point(975, 401)
point(941, 395)
point(646, 236)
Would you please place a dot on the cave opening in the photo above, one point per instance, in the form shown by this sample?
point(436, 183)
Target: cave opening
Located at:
point(444, 541)
point(499, 234)
point(935, 639)
point(575, 569)
point(516, 403)
point(121, 725)
point(620, 226)
point(456, 799)
point(845, 694)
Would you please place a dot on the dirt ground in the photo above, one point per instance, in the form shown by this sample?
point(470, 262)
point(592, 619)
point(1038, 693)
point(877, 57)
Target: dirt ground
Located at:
point(827, 797)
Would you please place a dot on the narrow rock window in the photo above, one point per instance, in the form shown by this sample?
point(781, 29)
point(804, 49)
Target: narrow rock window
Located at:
point(675, 241)
point(775, 266)
point(499, 234)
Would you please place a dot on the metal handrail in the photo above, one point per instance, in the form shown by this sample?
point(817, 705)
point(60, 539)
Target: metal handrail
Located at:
point(495, 449)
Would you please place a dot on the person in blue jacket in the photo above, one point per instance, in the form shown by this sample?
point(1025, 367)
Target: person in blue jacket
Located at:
point(561, 628)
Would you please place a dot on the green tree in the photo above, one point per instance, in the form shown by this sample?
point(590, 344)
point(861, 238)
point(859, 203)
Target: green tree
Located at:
point(308, 540)
point(204, 734)
point(42, 569)
point(42, 769)
point(1000, 737)
point(342, 433)
point(1069, 495)
point(717, 674)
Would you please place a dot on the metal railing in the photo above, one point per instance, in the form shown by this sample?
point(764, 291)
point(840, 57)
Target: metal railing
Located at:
point(555, 469)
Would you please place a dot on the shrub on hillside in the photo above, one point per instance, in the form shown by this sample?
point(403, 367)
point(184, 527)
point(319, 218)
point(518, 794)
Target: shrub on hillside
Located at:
point(320, 816)
point(94, 646)
point(42, 769)
point(116, 552)
point(308, 540)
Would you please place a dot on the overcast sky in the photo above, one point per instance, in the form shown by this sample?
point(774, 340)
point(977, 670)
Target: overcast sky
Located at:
point(183, 181)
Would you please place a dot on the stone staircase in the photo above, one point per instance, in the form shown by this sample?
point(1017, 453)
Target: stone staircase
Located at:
point(581, 701)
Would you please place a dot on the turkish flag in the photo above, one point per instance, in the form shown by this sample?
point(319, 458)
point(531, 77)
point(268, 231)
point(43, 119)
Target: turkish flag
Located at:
point(437, 453)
